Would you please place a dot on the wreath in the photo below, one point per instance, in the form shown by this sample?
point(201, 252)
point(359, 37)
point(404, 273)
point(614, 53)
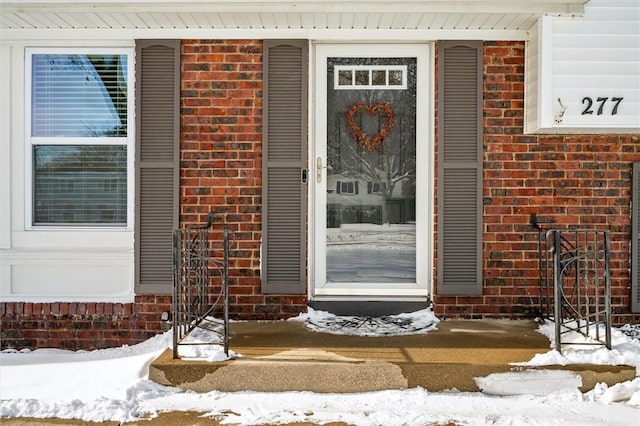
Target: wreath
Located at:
point(359, 136)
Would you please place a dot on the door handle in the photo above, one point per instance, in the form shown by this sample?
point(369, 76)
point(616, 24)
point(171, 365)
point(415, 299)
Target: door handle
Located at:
point(319, 168)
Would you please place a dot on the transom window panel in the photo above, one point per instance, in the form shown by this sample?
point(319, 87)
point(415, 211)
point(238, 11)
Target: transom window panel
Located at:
point(390, 77)
point(79, 109)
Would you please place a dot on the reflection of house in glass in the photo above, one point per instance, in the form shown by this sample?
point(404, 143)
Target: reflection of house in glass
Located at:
point(352, 199)
point(89, 198)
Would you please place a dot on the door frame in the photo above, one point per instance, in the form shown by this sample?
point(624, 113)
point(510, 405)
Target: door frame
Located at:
point(422, 289)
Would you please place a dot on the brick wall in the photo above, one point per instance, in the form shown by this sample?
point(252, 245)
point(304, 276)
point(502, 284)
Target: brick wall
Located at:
point(572, 180)
point(81, 325)
point(221, 162)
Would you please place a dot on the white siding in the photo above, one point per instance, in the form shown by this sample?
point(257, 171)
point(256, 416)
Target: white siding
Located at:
point(592, 60)
point(532, 62)
point(48, 265)
point(49, 279)
point(5, 140)
point(5, 166)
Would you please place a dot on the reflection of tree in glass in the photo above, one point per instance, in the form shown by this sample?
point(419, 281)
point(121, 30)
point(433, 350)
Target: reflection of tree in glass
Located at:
point(388, 167)
point(88, 89)
point(76, 184)
point(392, 166)
point(76, 158)
point(112, 72)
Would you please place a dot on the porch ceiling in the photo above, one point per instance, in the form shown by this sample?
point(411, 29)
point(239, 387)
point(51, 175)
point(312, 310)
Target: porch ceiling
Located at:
point(515, 15)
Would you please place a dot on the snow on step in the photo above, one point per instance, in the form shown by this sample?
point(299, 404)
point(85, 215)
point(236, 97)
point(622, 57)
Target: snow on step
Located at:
point(529, 382)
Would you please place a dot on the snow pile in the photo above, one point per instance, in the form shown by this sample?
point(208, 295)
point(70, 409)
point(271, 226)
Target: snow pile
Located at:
point(627, 391)
point(625, 348)
point(55, 374)
point(113, 385)
point(203, 343)
point(530, 382)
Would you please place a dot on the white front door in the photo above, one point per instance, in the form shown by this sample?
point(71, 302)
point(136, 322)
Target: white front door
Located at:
point(372, 172)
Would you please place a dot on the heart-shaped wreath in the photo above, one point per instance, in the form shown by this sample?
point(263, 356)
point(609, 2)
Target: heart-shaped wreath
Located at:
point(359, 136)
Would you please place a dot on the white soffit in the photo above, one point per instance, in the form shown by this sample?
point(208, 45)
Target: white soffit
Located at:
point(141, 15)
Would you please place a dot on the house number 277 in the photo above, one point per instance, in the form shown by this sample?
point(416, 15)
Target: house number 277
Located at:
point(588, 105)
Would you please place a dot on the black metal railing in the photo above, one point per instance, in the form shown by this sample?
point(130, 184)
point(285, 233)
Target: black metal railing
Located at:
point(200, 286)
point(575, 283)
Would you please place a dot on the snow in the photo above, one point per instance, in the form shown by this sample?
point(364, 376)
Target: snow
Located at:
point(625, 350)
point(112, 384)
point(367, 253)
point(529, 382)
point(200, 344)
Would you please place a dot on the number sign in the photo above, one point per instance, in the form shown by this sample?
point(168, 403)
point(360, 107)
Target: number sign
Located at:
point(584, 71)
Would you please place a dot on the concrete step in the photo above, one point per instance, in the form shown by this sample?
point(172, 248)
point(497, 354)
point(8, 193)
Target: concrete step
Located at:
point(285, 356)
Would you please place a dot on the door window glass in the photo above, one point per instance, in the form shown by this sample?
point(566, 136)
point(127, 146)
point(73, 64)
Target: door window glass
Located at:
point(371, 179)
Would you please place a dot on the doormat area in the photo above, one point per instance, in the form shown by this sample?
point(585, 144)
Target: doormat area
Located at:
point(418, 322)
point(631, 330)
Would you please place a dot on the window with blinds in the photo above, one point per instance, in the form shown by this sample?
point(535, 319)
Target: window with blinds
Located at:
point(78, 110)
point(83, 184)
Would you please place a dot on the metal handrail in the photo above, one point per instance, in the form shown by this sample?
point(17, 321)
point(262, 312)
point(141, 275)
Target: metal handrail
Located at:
point(193, 260)
point(575, 282)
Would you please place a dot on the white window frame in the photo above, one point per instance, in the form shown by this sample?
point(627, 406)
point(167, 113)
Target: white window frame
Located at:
point(369, 68)
point(346, 184)
point(425, 101)
point(128, 140)
point(376, 188)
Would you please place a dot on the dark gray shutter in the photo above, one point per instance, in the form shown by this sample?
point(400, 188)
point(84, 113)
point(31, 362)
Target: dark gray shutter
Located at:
point(157, 169)
point(284, 158)
point(459, 168)
point(635, 239)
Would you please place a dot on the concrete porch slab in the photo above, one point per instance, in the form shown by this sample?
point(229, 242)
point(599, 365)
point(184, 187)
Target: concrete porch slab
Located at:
point(286, 356)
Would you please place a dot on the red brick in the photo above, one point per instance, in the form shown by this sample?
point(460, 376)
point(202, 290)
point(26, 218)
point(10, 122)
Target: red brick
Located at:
point(572, 179)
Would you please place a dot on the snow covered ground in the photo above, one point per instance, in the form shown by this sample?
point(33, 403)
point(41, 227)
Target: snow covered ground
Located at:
point(112, 384)
point(367, 253)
